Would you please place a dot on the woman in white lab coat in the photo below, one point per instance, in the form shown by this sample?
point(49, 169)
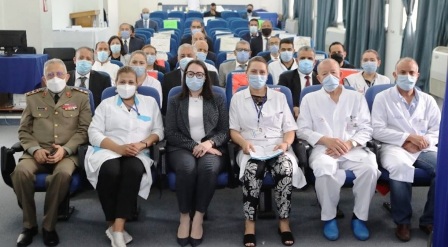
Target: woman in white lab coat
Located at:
point(261, 118)
point(118, 162)
point(368, 77)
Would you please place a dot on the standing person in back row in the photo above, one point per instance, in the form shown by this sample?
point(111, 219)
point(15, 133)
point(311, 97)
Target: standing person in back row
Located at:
point(250, 13)
point(407, 121)
point(261, 42)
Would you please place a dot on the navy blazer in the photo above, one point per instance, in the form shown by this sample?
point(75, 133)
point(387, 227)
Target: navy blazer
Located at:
point(98, 81)
point(291, 79)
point(135, 44)
point(173, 79)
point(256, 45)
point(152, 24)
point(177, 127)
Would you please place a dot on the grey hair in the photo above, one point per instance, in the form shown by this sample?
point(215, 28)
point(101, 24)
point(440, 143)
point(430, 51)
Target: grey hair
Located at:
point(185, 46)
point(306, 48)
point(406, 59)
point(242, 41)
point(54, 61)
point(325, 61)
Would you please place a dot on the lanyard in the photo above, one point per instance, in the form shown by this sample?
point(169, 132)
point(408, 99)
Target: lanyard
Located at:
point(259, 109)
point(135, 109)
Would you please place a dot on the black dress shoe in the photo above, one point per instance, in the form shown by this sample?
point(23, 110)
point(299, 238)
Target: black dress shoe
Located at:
point(26, 237)
point(50, 238)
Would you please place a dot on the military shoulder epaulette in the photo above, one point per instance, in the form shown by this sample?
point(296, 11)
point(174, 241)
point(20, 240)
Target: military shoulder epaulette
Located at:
point(35, 91)
point(80, 90)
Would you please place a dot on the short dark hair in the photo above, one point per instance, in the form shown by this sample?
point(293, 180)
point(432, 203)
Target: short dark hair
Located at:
point(130, 26)
point(336, 43)
point(213, 4)
point(125, 69)
point(286, 41)
point(207, 92)
point(122, 52)
point(149, 46)
point(250, 5)
point(253, 19)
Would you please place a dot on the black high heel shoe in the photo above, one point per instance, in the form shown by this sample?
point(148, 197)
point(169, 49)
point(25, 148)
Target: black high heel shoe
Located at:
point(195, 242)
point(183, 241)
point(286, 237)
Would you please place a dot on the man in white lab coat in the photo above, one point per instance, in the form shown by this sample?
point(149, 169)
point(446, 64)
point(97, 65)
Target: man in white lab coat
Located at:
point(336, 122)
point(407, 121)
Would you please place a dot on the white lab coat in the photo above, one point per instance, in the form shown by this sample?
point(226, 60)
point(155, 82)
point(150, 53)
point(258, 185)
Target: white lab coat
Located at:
point(154, 83)
point(392, 125)
point(276, 68)
point(113, 120)
point(349, 119)
point(359, 84)
point(276, 119)
point(109, 68)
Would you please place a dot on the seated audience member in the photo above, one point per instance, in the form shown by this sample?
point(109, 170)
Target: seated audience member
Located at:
point(242, 54)
point(195, 37)
point(102, 62)
point(84, 76)
point(286, 62)
point(261, 42)
point(338, 53)
point(274, 47)
point(201, 48)
point(274, 130)
point(407, 121)
point(196, 26)
point(130, 42)
point(138, 63)
point(368, 77)
point(118, 163)
point(145, 22)
point(253, 30)
point(303, 77)
point(250, 12)
point(151, 59)
point(336, 122)
point(185, 53)
point(117, 50)
point(212, 12)
point(195, 148)
point(50, 139)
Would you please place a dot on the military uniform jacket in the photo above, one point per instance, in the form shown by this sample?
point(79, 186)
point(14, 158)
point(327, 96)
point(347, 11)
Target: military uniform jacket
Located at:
point(65, 123)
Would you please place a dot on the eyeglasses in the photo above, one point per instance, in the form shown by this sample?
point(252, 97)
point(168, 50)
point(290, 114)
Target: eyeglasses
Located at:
point(51, 75)
point(198, 75)
point(239, 50)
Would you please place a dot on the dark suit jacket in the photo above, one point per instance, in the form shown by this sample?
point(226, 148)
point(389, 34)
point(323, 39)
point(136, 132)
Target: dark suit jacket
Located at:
point(256, 45)
point(291, 79)
point(187, 40)
point(209, 14)
point(267, 57)
point(177, 127)
point(248, 37)
point(173, 61)
point(254, 14)
point(98, 81)
point(173, 79)
point(152, 24)
point(135, 44)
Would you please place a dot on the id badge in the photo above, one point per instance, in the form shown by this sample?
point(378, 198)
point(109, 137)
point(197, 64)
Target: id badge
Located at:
point(352, 123)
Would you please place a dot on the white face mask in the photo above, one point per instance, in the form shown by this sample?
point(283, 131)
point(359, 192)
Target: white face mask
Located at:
point(126, 91)
point(56, 85)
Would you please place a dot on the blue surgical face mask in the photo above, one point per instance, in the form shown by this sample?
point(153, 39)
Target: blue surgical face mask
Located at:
point(286, 56)
point(253, 29)
point(194, 84)
point(330, 83)
point(257, 81)
point(273, 48)
point(369, 67)
point(306, 66)
point(139, 70)
point(406, 82)
point(115, 48)
point(201, 56)
point(145, 16)
point(242, 56)
point(195, 30)
point(183, 62)
point(151, 59)
point(125, 34)
point(102, 56)
point(83, 67)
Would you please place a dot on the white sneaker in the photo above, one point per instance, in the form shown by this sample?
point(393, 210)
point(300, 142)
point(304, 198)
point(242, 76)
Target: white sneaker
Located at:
point(118, 239)
point(127, 237)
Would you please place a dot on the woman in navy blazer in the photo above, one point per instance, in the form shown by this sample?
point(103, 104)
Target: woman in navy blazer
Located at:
point(197, 131)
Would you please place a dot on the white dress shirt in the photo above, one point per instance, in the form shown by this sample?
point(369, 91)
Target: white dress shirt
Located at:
point(78, 79)
point(109, 68)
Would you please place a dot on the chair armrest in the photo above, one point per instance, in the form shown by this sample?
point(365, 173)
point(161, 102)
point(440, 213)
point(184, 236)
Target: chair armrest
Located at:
point(8, 162)
point(158, 151)
point(17, 147)
point(374, 146)
point(302, 149)
point(233, 149)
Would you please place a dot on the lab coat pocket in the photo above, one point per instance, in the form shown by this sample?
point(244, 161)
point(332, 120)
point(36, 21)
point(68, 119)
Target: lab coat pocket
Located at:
point(420, 125)
point(352, 124)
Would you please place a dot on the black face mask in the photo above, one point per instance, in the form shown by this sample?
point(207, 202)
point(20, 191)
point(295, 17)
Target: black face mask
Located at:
point(338, 57)
point(249, 11)
point(266, 32)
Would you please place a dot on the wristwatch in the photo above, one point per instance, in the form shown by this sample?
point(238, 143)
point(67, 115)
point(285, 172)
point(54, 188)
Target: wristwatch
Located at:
point(354, 143)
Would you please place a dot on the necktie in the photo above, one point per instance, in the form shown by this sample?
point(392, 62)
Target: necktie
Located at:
point(307, 83)
point(266, 48)
point(83, 81)
point(126, 49)
point(56, 98)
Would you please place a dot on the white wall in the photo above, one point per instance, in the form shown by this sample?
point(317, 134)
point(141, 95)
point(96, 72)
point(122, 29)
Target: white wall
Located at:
point(61, 13)
point(394, 37)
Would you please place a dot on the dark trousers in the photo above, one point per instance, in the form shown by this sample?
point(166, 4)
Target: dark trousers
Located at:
point(195, 179)
point(118, 186)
